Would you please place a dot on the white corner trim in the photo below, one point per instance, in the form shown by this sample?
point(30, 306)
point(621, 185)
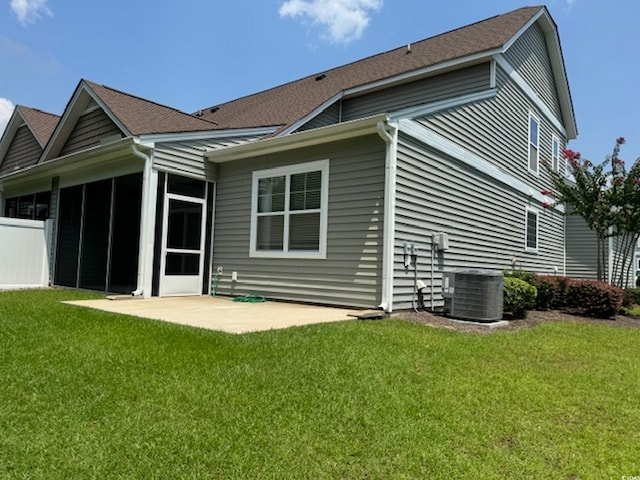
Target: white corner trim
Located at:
point(428, 137)
point(429, 108)
point(529, 92)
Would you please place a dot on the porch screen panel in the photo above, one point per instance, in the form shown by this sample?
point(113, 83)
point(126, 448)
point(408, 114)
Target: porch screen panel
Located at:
point(95, 236)
point(68, 244)
point(125, 236)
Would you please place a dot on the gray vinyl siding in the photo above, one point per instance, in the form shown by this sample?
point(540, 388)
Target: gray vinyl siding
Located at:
point(497, 128)
point(23, 151)
point(447, 85)
point(187, 157)
point(88, 131)
point(582, 250)
point(330, 116)
point(485, 221)
point(530, 57)
point(351, 273)
point(619, 269)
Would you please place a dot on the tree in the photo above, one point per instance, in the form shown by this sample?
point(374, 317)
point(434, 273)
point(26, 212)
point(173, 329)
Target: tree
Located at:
point(607, 197)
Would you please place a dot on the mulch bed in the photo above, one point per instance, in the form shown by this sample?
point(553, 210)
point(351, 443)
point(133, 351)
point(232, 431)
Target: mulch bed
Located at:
point(533, 319)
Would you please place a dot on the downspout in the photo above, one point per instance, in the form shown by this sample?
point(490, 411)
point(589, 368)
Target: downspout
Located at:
point(389, 133)
point(144, 220)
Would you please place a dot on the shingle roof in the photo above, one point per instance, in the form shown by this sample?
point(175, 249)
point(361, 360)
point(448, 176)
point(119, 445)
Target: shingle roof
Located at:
point(289, 103)
point(141, 116)
point(42, 124)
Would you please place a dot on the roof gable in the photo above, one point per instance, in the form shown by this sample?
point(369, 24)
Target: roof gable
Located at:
point(28, 130)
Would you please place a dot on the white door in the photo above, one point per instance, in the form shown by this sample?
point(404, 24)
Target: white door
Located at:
point(182, 246)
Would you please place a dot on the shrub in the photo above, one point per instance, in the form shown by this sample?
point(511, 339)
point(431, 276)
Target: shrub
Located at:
point(594, 298)
point(521, 274)
point(519, 296)
point(631, 297)
point(552, 292)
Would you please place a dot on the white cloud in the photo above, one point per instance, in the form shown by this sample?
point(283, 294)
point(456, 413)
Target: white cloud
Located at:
point(344, 19)
point(28, 11)
point(6, 109)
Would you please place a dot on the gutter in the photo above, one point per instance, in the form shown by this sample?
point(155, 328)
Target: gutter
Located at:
point(331, 133)
point(389, 133)
point(69, 163)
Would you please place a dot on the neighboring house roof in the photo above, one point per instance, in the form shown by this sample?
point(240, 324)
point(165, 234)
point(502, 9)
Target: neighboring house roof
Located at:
point(42, 124)
point(288, 104)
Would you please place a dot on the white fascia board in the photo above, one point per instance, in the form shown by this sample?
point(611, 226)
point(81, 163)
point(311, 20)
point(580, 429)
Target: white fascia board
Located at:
point(71, 162)
point(307, 118)
point(307, 138)
point(429, 108)
point(446, 146)
point(153, 138)
point(524, 28)
point(530, 93)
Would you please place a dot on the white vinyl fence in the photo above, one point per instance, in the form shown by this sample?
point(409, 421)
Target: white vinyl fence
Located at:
point(24, 253)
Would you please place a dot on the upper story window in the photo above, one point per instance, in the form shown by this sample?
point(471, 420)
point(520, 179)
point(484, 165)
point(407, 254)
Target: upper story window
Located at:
point(555, 155)
point(534, 143)
point(289, 211)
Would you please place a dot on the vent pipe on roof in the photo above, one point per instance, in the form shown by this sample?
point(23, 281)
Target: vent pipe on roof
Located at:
point(408, 49)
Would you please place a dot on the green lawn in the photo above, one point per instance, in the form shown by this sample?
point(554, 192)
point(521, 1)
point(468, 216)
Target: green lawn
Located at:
point(87, 394)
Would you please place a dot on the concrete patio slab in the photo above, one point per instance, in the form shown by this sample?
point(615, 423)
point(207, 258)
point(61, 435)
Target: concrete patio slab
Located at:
point(223, 314)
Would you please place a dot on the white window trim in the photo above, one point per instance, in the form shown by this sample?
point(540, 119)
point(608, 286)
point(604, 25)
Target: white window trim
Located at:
point(529, 143)
point(527, 248)
point(321, 253)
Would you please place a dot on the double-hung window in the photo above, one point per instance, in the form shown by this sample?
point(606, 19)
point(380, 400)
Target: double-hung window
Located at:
point(531, 230)
point(289, 211)
point(534, 143)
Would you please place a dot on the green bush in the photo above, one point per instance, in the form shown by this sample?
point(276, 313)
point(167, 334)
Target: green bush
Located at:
point(552, 292)
point(521, 274)
point(631, 297)
point(594, 298)
point(519, 296)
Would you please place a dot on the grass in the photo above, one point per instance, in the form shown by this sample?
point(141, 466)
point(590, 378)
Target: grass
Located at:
point(87, 394)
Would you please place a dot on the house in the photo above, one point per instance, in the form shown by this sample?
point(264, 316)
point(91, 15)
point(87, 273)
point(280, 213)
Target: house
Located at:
point(347, 187)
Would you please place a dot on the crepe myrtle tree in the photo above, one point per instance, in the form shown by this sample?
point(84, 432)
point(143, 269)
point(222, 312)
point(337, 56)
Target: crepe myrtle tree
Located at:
point(607, 197)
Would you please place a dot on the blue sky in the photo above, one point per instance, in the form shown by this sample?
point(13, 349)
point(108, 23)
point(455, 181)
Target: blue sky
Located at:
point(192, 54)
